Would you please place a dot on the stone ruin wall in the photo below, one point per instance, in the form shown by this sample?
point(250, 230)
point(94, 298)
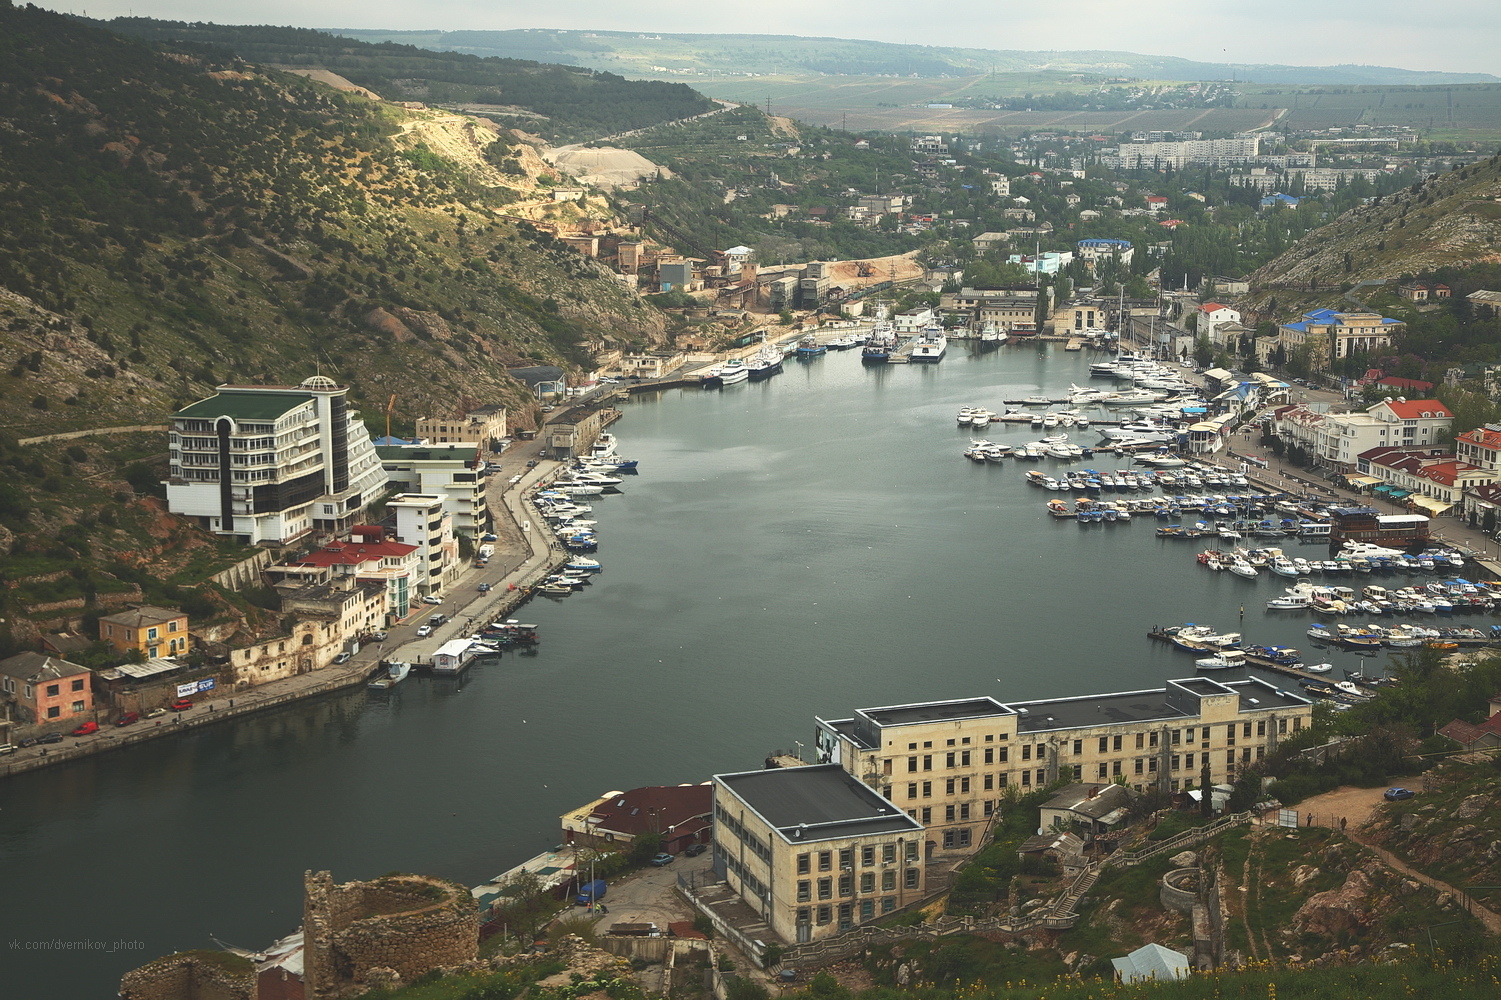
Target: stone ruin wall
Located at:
point(185, 977)
point(359, 933)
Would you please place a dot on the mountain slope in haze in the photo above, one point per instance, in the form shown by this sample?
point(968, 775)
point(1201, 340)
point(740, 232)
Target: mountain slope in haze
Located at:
point(1452, 219)
point(202, 220)
point(637, 54)
point(576, 103)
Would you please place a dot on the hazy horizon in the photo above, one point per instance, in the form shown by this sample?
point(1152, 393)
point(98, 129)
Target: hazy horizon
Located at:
point(1372, 33)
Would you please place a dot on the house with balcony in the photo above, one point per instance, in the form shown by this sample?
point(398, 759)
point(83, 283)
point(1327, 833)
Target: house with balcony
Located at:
point(1336, 440)
point(268, 464)
point(1333, 335)
point(368, 557)
point(452, 471)
point(152, 632)
point(421, 520)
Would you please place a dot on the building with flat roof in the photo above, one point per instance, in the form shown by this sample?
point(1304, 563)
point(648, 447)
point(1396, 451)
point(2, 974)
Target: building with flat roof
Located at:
point(421, 520)
point(484, 426)
point(271, 463)
point(813, 850)
point(946, 763)
point(451, 471)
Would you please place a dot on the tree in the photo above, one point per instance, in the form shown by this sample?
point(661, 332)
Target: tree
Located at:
point(1206, 789)
point(524, 906)
point(645, 847)
point(1203, 351)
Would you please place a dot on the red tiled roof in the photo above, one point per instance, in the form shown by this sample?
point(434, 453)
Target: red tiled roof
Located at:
point(1412, 409)
point(1481, 436)
point(1405, 383)
point(653, 809)
point(1461, 732)
point(1210, 307)
point(355, 553)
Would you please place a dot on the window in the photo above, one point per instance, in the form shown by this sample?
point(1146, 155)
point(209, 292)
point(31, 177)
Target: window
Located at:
point(77, 685)
point(888, 854)
point(846, 857)
point(964, 786)
point(151, 633)
point(1152, 764)
point(1245, 730)
point(948, 814)
point(989, 782)
point(1104, 744)
point(804, 864)
point(1260, 727)
point(909, 878)
point(1230, 757)
point(804, 890)
point(846, 885)
point(803, 914)
point(1188, 735)
point(867, 881)
point(1026, 751)
point(964, 757)
point(1177, 735)
point(1027, 778)
point(825, 861)
point(927, 789)
point(989, 808)
point(949, 838)
point(53, 690)
point(965, 741)
point(1140, 740)
point(951, 743)
point(1005, 754)
point(912, 850)
point(1078, 772)
point(825, 888)
point(927, 815)
point(1188, 761)
point(1230, 734)
point(1140, 765)
point(911, 763)
point(989, 754)
point(963, 810)
point(927, 745)
point(825, 914)
point(888, 881)
point(964, 838)
point(1103, 771)
point(54, 712)
point(1000, 780)
point(927, 762)
point(1152, 739)
point(911, 746)
point(1176, 762)
point(912, 790)
point(1078, 747)
point(1115, 767)
point(1297, 723)
point(948, 787)
point(949, 758)
point(867, 909)
point(868, 856)
point(78, 707)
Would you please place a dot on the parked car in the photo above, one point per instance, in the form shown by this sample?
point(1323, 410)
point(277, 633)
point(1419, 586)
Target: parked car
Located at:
point(181, 705)
point(423, 631)
point(86, 729)
point(50, 738)
point(661, 859)
point(341, 658)
point(484, 588)
point(694, 850)
point(378, 636)
point(156, 713)
point(432, 599)
point(29, 741)
point(1399, 794)
point(532, 464)
point(128, 718)
point(6, 748)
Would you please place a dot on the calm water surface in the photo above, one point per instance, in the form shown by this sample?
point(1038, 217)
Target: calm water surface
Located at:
point(807, 545)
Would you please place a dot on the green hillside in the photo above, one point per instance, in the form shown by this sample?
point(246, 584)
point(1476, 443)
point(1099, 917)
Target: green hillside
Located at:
point(576, 103)
point(172, 221)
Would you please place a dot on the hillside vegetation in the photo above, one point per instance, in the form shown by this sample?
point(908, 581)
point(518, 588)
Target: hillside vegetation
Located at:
point(170, 221)
point(1447, 220)
point(573, 103)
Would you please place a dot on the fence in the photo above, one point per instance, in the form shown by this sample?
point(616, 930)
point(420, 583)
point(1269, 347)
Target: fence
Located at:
point(1129, 859)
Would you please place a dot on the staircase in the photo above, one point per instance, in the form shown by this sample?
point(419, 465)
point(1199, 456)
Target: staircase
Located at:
point(1064, 905)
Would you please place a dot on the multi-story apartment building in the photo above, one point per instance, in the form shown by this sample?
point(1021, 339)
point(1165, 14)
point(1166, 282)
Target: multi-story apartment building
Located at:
point(153, 631)
point(1212, 152)
point(813, 850)
point(36, 688)
point(947, 763)
point(368, 557)
point(1337, 440)
point(269, 464)
point(452, 471)
point(422, 521)
point(485, 426)
point(1093, 250)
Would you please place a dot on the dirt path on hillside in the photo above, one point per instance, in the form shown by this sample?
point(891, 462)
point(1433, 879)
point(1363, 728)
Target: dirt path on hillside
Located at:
point(1490, 918)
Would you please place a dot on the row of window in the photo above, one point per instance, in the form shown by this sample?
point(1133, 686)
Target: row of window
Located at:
point(759, 847)
point(847, 884)
point(825, 914)
point(847, 857)
point(734, 865)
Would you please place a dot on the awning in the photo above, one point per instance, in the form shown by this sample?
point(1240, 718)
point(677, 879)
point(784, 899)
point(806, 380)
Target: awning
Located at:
point(1363, 481)
point(1432, 506)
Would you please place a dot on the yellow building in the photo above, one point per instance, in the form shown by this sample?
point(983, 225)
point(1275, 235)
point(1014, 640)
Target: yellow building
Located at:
point(946, 763)
point(154, 631)
point(813, 851)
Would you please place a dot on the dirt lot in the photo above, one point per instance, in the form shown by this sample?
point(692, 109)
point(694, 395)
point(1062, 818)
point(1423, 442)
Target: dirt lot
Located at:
point(1353, 804)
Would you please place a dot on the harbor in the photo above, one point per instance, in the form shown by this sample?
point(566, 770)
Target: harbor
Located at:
point(791, 546)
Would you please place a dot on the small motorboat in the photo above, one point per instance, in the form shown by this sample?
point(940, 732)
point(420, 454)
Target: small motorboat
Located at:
point(395, 673)
point(1224, 660)
point(1318, 668)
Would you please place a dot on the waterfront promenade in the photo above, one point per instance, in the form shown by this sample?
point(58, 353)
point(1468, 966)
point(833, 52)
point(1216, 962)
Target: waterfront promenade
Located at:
point(521, 558)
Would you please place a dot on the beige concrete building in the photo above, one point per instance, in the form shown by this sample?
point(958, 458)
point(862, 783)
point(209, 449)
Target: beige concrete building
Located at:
point(485, 426)
point(946, 763)
point(814, 851)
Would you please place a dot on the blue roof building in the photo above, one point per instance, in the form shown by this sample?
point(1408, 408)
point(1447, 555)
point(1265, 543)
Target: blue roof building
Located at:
point(1272, 200)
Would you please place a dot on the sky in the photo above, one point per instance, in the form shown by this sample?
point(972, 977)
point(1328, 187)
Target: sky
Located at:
point(1461, 37)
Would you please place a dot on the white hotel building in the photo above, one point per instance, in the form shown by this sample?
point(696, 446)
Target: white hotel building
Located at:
point(268, 464)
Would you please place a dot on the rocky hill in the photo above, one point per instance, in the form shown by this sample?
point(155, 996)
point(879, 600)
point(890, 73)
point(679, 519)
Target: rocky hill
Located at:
point(1449, 220)
point(174, 219)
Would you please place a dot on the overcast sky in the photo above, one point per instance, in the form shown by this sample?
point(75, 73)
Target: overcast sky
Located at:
point(1458, 36)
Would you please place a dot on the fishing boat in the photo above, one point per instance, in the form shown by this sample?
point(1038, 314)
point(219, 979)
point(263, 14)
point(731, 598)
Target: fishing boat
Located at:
point(1223, 660)
point(809, 347)
point(880, 344)
point(766, 363)
point(844, 343)
point(396, 672)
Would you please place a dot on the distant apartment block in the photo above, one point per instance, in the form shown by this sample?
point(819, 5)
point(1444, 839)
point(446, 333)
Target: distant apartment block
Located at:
point(485, 426)
point(269, 464)
point(1209, 152)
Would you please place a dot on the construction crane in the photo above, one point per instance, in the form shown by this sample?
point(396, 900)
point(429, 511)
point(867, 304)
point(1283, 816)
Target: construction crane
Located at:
point(389, 407)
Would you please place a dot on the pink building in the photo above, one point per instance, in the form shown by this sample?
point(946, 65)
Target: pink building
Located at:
point(37, 688)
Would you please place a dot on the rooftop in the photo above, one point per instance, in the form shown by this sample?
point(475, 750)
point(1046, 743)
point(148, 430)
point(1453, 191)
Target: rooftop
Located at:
point(817, 802)
point(935, 711)
point(465, 453)
point(260, 403)
point(34, 667)
point(144, 617)
point(1145, 706)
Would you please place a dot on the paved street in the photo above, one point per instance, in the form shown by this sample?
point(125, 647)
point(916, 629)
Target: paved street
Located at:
point(649, 896)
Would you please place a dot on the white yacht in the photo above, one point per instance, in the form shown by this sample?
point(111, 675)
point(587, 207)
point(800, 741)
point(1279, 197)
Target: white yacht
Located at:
point(930, 346)
point(732, 371)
